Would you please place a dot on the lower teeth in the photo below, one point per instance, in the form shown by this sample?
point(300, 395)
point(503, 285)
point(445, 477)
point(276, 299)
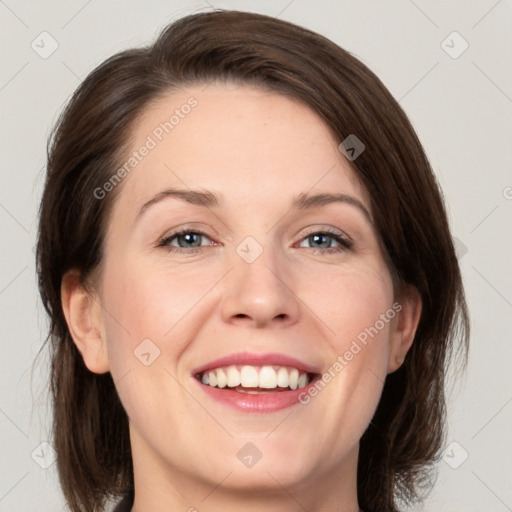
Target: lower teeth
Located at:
point(254, 391)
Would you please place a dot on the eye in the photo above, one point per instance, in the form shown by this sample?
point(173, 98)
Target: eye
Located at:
point(323, 237)
point(187, 240)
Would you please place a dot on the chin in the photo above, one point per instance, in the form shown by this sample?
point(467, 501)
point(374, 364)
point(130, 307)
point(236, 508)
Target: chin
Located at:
point(265, 469)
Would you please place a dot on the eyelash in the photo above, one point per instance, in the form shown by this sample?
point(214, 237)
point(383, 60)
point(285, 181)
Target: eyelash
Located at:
point(343, 240)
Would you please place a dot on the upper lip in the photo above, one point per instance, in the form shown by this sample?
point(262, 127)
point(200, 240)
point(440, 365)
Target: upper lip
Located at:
point(255, 359)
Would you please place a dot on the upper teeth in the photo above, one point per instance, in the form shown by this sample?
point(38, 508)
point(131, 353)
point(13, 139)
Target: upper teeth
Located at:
point(268, 377)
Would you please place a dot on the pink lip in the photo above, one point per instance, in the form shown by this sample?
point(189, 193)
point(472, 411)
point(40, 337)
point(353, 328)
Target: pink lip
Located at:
point(257, 360)
point(263, 402)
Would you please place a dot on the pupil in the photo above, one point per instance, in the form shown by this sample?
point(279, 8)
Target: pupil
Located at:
point(315, 238)
point(188, 237)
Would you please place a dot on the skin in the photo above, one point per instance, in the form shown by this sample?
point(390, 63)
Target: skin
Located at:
point(258, 150)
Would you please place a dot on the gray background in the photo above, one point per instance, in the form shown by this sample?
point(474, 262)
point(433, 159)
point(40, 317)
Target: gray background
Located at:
point(459, 103)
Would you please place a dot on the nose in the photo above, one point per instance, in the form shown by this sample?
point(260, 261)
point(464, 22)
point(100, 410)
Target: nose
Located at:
point(260, 293)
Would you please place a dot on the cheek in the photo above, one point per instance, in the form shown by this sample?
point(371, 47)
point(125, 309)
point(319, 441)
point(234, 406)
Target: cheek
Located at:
point(152, 302)
point(348, 300)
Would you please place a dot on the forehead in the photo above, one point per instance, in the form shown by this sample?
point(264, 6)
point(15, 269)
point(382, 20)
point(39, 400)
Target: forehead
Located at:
point(248, 145)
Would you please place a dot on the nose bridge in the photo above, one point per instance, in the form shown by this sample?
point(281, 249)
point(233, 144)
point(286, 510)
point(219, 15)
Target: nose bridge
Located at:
point(259, 288)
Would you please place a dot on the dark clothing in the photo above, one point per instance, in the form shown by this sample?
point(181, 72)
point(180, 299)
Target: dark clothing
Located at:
point(126, 504)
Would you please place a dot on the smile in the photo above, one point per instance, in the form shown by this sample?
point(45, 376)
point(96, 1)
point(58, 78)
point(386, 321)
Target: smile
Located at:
point(256, 382)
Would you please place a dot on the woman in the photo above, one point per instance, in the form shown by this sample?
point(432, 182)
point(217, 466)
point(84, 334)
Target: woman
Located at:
point(250, 370)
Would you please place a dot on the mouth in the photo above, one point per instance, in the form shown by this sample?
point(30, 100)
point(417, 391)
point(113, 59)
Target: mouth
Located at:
point(256, 382)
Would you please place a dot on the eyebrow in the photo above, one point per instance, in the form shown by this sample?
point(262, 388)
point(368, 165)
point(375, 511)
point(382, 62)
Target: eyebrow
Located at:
point(208, 199)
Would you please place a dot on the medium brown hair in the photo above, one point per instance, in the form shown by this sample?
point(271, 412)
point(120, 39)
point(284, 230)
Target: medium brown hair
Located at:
point(90, 426)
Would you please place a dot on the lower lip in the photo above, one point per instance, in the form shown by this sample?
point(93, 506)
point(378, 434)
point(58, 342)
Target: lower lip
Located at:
point(257, 402)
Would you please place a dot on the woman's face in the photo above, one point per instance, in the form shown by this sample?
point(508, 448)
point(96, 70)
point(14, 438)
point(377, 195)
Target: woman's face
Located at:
point(281, 289)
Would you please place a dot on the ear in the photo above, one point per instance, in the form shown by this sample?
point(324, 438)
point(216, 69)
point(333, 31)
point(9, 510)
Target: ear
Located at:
point(403, 326)
point(83, 315)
